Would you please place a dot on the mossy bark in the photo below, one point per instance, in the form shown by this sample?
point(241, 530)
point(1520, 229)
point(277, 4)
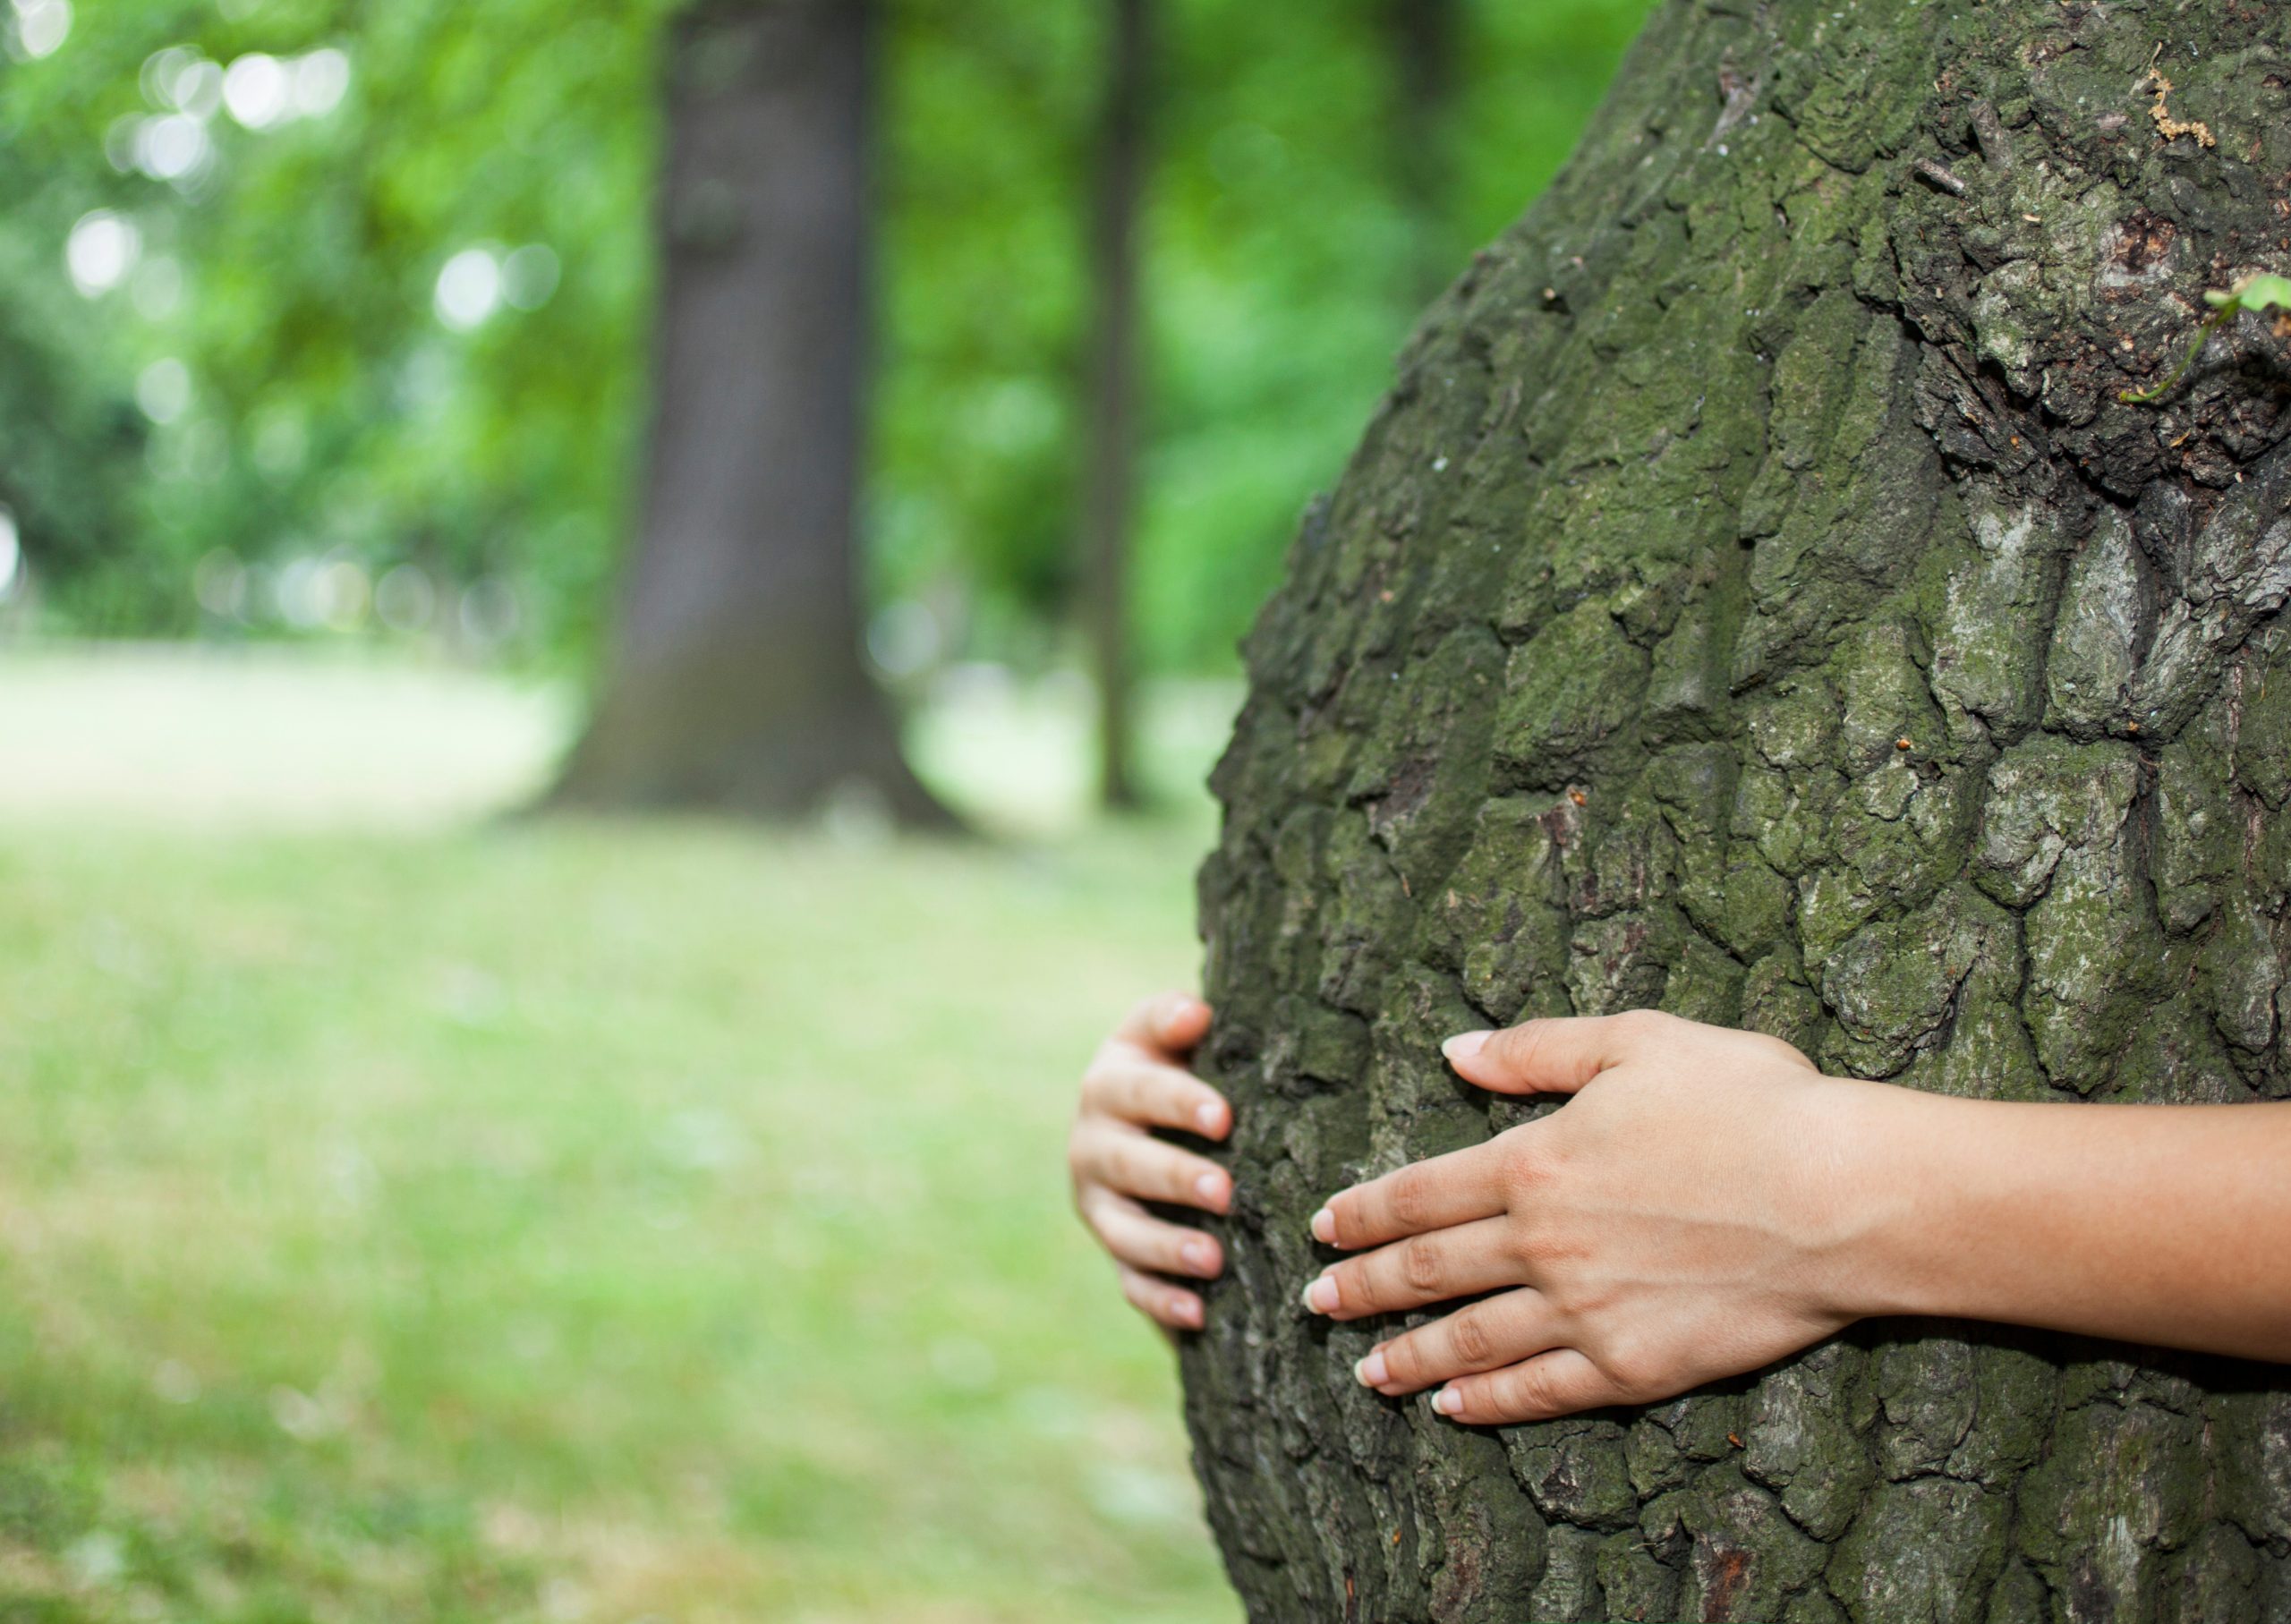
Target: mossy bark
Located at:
point(1753, 599)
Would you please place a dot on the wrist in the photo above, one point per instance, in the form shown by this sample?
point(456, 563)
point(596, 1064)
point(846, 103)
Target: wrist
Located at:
point(1891, 1198)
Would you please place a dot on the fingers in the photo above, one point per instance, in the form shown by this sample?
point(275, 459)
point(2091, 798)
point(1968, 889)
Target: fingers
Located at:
point(1560, 1382)
point(1451, 1189)
point(1131, 1162)
point(1430, 1268)
point(1157, 1096)
point(1485, 1336)
point(1168, 1023)
point(1160, 1302)
point(1551, 1057)
point(1135, 1237)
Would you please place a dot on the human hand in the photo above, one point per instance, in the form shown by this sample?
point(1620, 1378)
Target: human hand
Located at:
point(1137, 1081)
point(1688, 1214)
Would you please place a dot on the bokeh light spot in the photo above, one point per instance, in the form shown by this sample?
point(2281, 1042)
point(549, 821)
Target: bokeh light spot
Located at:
point(219, 582)
point(100, 251)
point(171, 147)
point(42, 26)
point(163, 389)
point(257, 91)
point(12, 556)
point(529, 276)
point(469, 289)
point(404, 600)
point(321, 78)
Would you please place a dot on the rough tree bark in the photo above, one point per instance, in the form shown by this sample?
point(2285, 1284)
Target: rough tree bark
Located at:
point(1753, 599)
point(734, 682)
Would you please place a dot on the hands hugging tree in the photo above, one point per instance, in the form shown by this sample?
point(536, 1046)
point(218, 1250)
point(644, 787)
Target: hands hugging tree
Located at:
point(1684, 1217)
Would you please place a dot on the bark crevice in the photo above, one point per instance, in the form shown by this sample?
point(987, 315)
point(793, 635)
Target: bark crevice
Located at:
point(1754, 600)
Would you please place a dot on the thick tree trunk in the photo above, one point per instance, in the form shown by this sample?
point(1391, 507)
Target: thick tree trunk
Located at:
point(736, 682)
point(1754, 600)
point(1109, 494)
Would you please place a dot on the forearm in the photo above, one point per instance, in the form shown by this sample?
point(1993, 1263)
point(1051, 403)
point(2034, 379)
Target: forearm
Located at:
point(2163, 1225)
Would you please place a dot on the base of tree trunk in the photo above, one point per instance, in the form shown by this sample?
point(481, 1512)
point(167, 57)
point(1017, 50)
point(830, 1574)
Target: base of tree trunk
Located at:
point(749, 729)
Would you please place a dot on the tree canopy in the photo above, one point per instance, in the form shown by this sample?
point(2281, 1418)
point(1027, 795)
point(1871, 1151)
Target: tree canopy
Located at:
point(295, 292)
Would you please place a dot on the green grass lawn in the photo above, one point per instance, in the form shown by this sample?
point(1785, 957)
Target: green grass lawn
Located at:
point(573, 1222)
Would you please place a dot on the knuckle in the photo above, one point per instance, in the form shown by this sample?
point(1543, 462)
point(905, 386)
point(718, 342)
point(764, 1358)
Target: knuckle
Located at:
point(1529, 1247)
point(1471, 1337)
point(1409, 1200)
point(1130, 1169)
point(1637, 1026)
point(1137, 1097)
point(1421, 1264)
point(1404, 1362)
point(1630, 1371)
point(1516, 1046)
point(1528, 1391)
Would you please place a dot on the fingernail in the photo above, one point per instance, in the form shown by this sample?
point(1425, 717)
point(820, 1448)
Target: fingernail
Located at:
point(1448, 1401)
point(1206, 1118)
point(1371, 1370)
point(1464, 1045)
point(1320, 1294)
point(1188, 1311)
point(1210, 1188)
point(1324, 1227)
point(1196, 1255)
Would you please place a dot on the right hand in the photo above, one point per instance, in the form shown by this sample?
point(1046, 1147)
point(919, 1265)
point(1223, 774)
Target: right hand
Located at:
point(1137, 1081)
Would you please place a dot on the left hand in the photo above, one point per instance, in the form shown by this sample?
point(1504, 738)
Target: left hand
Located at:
point(1688, 1214)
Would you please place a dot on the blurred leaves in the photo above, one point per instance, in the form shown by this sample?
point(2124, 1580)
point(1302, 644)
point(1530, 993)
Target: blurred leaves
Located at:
point(345, 404)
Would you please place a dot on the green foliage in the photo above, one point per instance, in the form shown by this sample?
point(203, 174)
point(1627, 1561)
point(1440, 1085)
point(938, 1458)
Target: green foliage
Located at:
point(293, 272)
point(2255, 293)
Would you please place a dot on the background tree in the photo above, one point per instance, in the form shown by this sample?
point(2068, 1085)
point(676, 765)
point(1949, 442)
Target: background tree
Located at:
point(1754, 600)
point(1109, 482)
point(735, 680)
point(1425, 43)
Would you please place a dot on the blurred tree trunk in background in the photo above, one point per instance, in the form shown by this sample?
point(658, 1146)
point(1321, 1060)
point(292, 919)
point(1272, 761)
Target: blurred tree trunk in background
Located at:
point(1424, 36)
point(1754, 600)
point(734, 682)
point(1108, 485)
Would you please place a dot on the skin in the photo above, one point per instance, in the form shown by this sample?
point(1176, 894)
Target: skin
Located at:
point(1137, 1081)
point(1705, 1202)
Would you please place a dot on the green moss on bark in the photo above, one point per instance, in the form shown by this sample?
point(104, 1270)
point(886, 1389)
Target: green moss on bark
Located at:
point(1754, 600)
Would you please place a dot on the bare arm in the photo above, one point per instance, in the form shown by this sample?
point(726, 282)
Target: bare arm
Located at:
point(1707, 1202)
point(2162, 1224)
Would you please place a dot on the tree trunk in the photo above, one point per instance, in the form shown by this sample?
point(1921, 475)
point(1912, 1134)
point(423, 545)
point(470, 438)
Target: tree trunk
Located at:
point(735, 683)
point(1423, 38)
point(1110, 444)
point(1754, 600)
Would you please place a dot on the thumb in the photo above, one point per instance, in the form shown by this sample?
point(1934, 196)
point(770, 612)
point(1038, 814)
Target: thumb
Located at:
point(1557, 1056)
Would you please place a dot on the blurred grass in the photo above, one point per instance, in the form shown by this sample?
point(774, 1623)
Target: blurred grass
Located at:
point(576, 1222)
